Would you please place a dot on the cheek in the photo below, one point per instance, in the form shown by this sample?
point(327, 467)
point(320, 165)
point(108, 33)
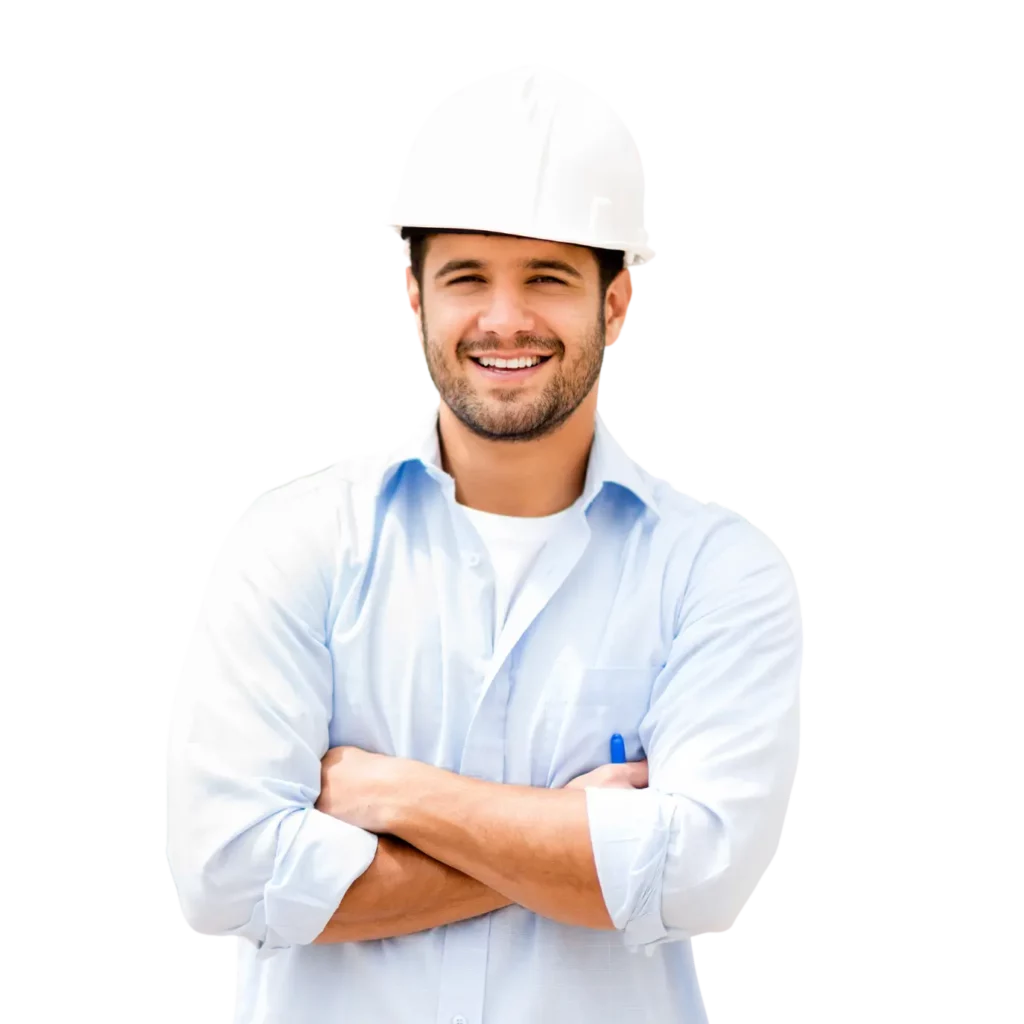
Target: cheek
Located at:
point(445, 364)
point(446, 331)
point(580, 352)
point(575, 325)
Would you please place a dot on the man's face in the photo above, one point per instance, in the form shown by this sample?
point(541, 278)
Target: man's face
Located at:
point(488, 298)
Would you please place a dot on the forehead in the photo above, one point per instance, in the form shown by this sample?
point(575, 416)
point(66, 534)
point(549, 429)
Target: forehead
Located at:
point(504, 252)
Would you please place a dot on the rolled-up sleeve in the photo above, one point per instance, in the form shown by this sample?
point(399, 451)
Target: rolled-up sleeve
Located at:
point(249, 854)
point(721, 738)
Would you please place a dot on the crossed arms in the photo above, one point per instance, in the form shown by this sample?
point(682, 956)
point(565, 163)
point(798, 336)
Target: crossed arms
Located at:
point(405, 891)
point(274, 840)
point(452, 848)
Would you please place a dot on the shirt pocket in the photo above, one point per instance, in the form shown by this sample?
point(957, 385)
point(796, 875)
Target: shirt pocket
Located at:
point(578, 725)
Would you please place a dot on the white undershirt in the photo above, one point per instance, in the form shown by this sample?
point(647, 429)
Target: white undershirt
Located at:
point(513, 542)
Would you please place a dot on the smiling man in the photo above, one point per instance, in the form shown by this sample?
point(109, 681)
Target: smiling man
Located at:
point(524, 390)
point(514, 345)
point(388, 767)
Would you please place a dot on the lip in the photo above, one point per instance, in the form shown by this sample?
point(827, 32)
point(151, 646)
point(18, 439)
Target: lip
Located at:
point(521, 353)
point(509, 376)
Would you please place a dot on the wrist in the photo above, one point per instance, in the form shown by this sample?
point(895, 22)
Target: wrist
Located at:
point(397, 791)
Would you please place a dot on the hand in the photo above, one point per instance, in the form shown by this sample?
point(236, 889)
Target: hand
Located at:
point(631, 775)
point(357, 786)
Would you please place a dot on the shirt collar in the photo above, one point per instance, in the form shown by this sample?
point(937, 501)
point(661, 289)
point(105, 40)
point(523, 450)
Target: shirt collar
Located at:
point(608, 463)
point(420, 445)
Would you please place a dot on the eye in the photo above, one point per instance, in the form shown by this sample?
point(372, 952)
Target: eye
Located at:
point(475, 276)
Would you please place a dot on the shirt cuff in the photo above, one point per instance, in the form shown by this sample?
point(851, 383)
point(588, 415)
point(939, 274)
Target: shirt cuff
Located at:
point(313, 870)
point(629, 833)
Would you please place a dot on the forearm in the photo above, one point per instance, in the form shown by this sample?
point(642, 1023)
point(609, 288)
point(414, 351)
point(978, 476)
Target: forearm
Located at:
point(530, 844)
point(405, 891)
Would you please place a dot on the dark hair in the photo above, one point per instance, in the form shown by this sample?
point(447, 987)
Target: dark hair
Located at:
point(609, 261)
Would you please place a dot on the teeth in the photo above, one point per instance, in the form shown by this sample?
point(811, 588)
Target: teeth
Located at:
point(511, 364)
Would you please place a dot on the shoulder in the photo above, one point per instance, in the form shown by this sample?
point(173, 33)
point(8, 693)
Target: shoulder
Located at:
point(714, 550)
point(308, 528)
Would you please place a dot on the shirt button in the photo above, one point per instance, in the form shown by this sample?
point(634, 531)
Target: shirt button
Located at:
point(472, 561)
point(458, 1020)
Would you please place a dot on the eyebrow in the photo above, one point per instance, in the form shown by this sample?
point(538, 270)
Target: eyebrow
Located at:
point(566, 268)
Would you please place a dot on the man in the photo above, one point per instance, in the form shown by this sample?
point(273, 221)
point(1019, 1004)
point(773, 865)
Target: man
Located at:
point(388, 770)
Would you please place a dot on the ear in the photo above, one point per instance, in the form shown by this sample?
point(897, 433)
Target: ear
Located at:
point(616, 302)
point(413, 299)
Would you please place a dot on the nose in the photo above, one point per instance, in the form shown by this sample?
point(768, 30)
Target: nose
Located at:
point(506, 313)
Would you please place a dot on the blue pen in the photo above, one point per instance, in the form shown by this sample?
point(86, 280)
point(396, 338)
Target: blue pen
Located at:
point(618, 749)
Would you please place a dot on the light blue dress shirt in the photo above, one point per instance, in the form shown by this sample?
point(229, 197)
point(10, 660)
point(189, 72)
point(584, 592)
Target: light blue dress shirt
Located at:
point(355, 606)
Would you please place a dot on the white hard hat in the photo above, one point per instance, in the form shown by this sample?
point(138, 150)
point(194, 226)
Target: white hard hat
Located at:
point(531, 153)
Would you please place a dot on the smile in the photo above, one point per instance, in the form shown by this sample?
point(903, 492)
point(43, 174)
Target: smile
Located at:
point(495, 367)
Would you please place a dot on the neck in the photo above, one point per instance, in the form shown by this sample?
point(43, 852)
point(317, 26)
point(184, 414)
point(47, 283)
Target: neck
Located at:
point(518, 478)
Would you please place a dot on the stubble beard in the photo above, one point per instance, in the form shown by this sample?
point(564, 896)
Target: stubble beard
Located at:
point(506, 414)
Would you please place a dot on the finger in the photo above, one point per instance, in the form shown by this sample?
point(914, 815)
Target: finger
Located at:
point(637, 774)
